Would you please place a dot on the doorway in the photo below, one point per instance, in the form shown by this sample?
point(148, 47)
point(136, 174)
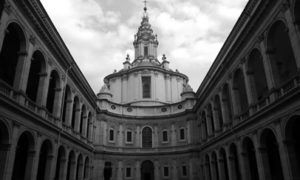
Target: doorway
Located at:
point(147, 170)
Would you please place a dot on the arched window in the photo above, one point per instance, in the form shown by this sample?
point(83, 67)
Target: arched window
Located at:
point(240, 91)
point(37, 67)
point(281, 54)
point(111, 135)
point(257, 76)
point(67, 100)
point(13, 49)
point(53, 91)
point(82, 119)
point(218, 110)
point(147, 137)
point(146, 83)
point(74, 110)
point(226, 99)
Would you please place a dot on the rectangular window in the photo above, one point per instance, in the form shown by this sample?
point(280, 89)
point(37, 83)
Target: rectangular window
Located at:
point(111, 135)
point(146, 83)
point(146, 51)
point(184, 171)
point(129, 136)
point(128, 172)
point(166, 171)
point(165, 136)
point(182, 134)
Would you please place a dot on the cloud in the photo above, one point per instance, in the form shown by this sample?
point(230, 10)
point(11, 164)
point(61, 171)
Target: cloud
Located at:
point(99, 33)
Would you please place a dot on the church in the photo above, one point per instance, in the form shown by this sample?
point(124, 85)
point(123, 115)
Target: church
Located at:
point(146, 122)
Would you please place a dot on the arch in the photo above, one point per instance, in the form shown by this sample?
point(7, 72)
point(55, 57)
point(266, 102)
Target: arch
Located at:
point(4, 143)
point(37, 68)
point(23, 160)
point(45, 159)
point(204, 125)
point(86, 173)
point(53, 91)
point(107, 172)
point(250, 159)
point(210, 118)
point(270, 156)
point(292, 135)
point(147, 170)
point(223, 164)
point(281, 54)
point(67, 100)
point(147, 137)
point(74, 109)
point(13, 50)
point(82, 119)
point(79, 168)
point(234, 162)
point(71, 166)
point(239, 89)
point(88, 124)
point(214, 161)
point(257, 75)
point(60, 163)
point(218, 110)
point(207, 168)
point(227, 104)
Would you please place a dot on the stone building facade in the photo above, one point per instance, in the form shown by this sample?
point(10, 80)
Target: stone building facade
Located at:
point(146, 122)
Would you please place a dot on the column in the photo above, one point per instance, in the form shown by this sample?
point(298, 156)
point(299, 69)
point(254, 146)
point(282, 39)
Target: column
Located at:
point(119, 170)
point(50, 166)
point(189, 131)
point(156, 170)
point(213, 169)
point(58, 103)
point(137, 139)
point(224, 110)
point(216, 118)
point(91, 128)
point(259, 160)
point(36, 157)
point(241, 158)
point(138, 170)
point(208, 124)
point(173, 135)
point(155, 137)
point(69, 110)
point(283, 153)
point(174, 170)
point(84, 125)
point(11, 152)
point(221, 168)
point(250, 89)
point(233, 100)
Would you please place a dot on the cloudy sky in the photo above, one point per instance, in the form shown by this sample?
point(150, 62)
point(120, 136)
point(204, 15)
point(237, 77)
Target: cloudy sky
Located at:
point(99, 33)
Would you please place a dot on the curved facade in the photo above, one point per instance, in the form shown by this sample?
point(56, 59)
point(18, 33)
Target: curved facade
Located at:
point(146, 123)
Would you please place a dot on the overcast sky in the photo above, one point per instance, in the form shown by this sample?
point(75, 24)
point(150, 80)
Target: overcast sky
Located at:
point(99, 33)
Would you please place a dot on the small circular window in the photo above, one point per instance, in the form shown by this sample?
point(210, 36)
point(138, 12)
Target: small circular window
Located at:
point(113, 107)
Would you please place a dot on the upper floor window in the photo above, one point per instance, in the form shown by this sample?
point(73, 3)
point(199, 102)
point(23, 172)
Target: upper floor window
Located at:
point(129, 136)
point(146, 83)
point(165, 136)
point(146, 51)
point(111, 135)
point(147, 137)
point(182, 134)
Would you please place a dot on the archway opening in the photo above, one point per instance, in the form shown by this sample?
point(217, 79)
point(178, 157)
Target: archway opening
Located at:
point(281, 54)
point(71, 166)
point(86, 172)
point(239, 88)
point(257, 75)
point(4, 140)
point(271, 157)
point(35, 70)
point(13, 49)
point(250, 159)
point(53, 90)
point(147, 170)
point(292, 134)
point(21, 168)
point(223, 164)
point(61, 163)
point(107, 172)
point(147, 137)
point(79, 168)
point(44, 160)
point(215, 165)
point(234, 162)
point(207, 168)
